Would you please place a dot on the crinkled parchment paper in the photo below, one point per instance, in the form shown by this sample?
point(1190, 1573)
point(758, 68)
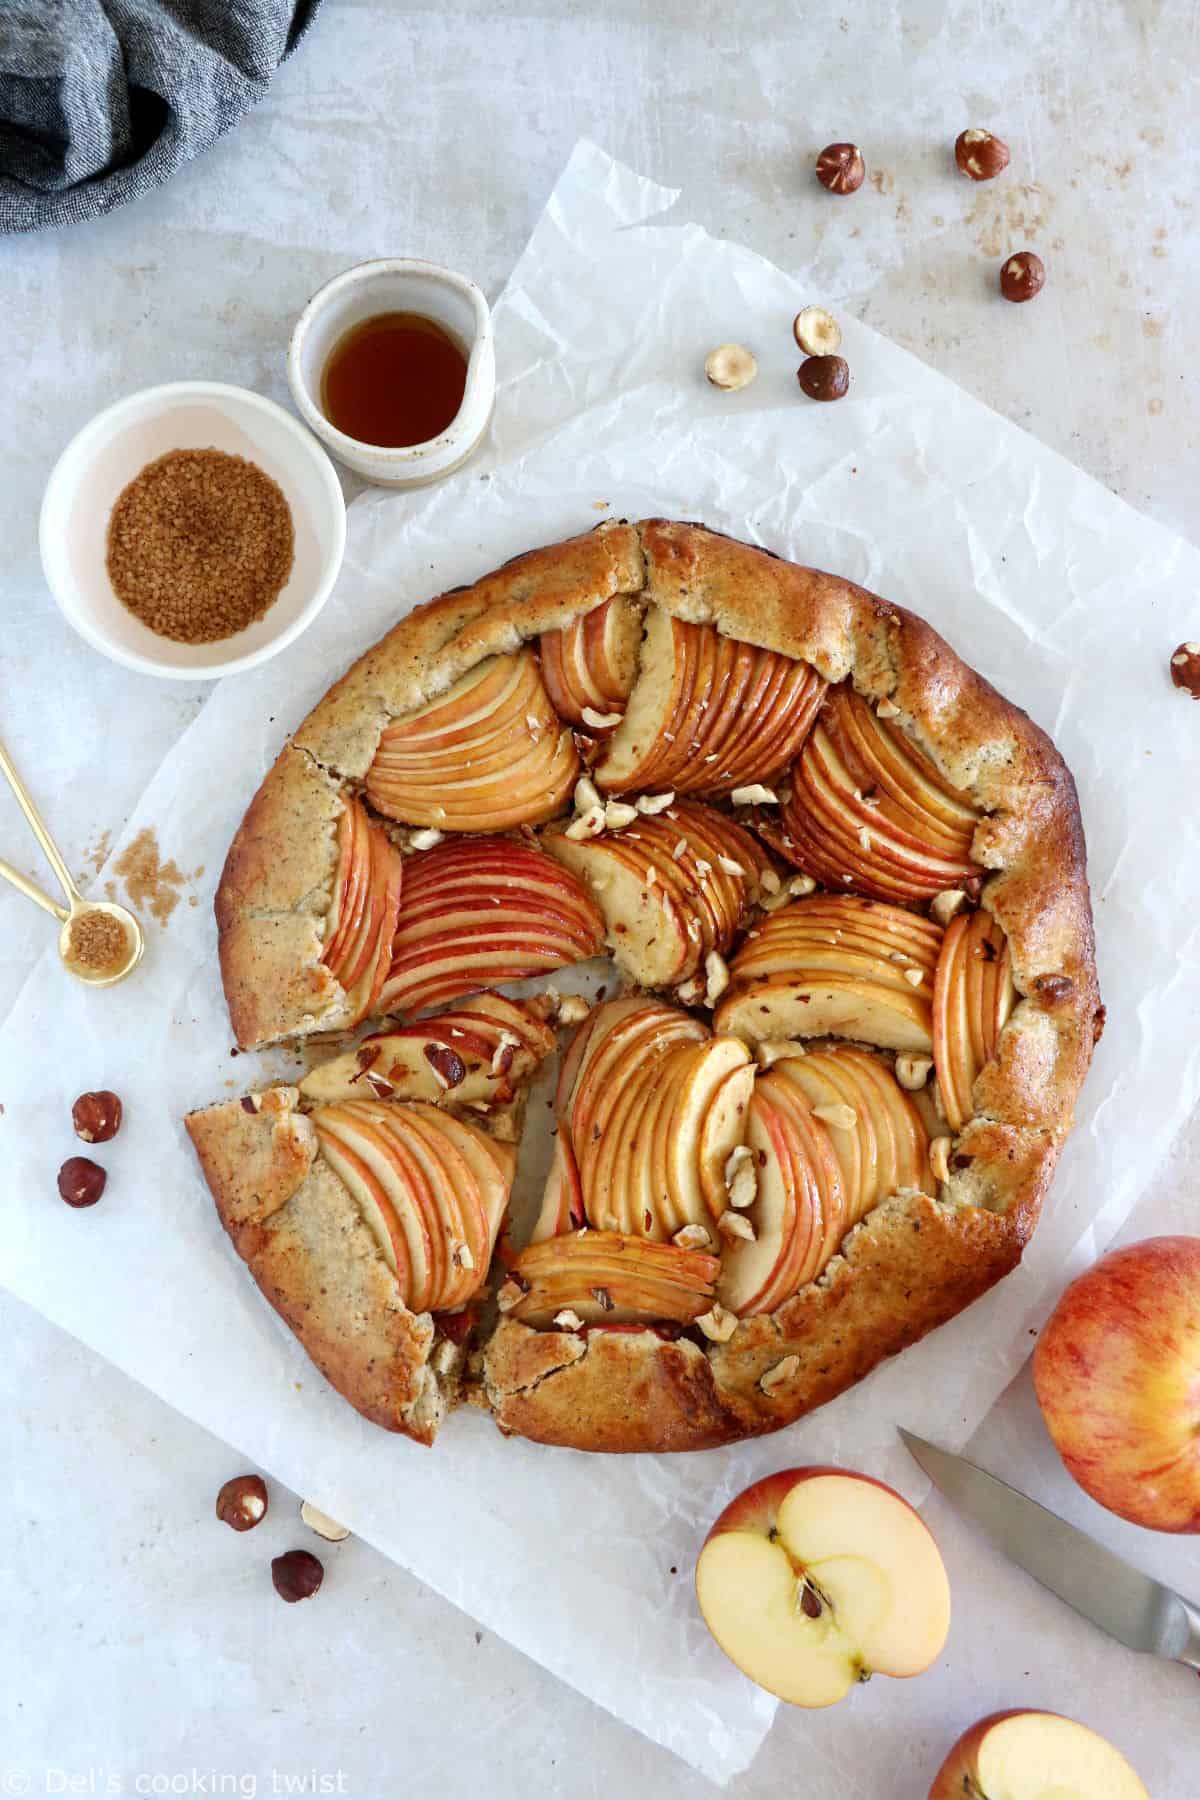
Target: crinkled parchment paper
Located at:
point(1064, 597)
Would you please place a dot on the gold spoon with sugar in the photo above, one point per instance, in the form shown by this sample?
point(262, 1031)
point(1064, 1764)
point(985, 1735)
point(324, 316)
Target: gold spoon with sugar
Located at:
point(100, 942)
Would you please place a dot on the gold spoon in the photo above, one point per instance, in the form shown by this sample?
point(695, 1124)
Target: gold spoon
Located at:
point(77, 908)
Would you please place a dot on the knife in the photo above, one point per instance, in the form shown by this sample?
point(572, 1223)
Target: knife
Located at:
point(1122, 1601)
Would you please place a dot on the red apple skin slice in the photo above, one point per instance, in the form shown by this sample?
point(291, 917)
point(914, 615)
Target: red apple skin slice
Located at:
point(475, 914)
point(696, 718)
point(973, 995)
point(487, 755)
point(346, 1143)
point(562, 1200)
point(856, 774)
point(592, 662)
point(607, 1279)
point(400, 1064)
point(723, 1130)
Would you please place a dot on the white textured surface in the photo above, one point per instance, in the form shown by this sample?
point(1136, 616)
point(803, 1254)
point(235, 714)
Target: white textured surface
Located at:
point(441, 136)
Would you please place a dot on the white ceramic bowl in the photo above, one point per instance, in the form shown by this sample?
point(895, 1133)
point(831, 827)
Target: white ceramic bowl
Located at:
point(397, 284)
point(105, 456)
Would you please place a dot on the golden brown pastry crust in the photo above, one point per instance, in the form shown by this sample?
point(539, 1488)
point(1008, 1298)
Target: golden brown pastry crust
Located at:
point(303, 1239)
point(914, 1262)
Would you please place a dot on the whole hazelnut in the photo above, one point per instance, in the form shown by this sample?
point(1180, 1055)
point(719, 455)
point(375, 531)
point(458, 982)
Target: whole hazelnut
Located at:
point(979, 154)
point(841, 169)
point(1022, 276)
point(81, 1181)
point(1185, 669)
point(824, 377)
point(242, 1502)
point(297, 1575)
point(97, 1116)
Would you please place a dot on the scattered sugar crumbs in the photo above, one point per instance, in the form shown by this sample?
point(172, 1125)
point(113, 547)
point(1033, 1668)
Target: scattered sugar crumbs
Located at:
point(153, 886)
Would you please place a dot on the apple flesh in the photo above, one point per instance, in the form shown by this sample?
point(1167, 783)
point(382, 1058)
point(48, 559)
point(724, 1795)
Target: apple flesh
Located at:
point(868, 809)
point(671, 887)
point(476, 913)
point(1117, 1375)
point(708, 713)
point(488, 754)
point(973, 997)
point(1034, 1756)
point(817, 1578)
point(592, 663)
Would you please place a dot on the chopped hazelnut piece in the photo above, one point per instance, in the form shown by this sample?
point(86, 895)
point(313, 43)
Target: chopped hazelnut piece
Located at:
point(589, 824)
point(573, 1009)
point(778, 1374)
point(717, 1324)
point(600, 721)
point(730, 865)
point(914, 977)
point(587, 795)
point(716, 971)
point(773, 1050)
point(568, 1320)
point(755, 794)
point(887, 709)
point(912, 1072)
point(736, 1225)
point(618, 814)
point(426, 839)
point(692, 1237)
point(655, 803)
point(945, 905)
point(843, 1117)
point(323, 1525)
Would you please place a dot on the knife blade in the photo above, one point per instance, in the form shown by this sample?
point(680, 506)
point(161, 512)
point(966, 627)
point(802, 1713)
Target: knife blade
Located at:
point(1102, 1587)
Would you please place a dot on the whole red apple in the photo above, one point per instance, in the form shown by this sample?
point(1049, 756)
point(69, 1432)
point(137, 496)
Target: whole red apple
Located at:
point(1117, 1374)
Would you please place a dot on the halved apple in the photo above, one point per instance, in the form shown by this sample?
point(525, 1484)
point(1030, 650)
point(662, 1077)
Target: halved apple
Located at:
point(868, 809)
point(479, 1054)
point(799, 1213)
point(1026, 1755)
point(605, 1278)
point(488, 754)
point(591, 664)
point(672, 886)
point(475, 914)
point(363, 908)
point(973, 996)
point(835, 964)
point(886, 1147)
point(433, 1189)
point(815, 1579)
point(708, 713)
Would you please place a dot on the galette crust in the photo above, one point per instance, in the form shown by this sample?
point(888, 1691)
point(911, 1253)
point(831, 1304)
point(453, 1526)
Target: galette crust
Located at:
point(912, 1263)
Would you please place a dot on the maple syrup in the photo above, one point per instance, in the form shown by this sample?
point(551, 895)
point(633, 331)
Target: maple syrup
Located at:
point(394, 380)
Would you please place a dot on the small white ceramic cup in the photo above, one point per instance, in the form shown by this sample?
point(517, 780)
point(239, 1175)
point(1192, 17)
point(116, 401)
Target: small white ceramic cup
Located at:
point(397, 284)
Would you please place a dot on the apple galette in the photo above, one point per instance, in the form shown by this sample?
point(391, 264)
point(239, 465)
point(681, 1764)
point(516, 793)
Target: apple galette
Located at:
point(843, 885)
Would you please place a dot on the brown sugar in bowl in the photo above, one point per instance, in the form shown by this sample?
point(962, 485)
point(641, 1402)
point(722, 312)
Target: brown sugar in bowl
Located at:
point(114, 449)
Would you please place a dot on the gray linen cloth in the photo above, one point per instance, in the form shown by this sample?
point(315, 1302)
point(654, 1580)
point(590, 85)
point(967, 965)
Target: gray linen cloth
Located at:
point(100, 100)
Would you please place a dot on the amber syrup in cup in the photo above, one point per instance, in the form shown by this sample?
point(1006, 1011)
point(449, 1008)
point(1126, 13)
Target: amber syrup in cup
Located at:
point(394, 380)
